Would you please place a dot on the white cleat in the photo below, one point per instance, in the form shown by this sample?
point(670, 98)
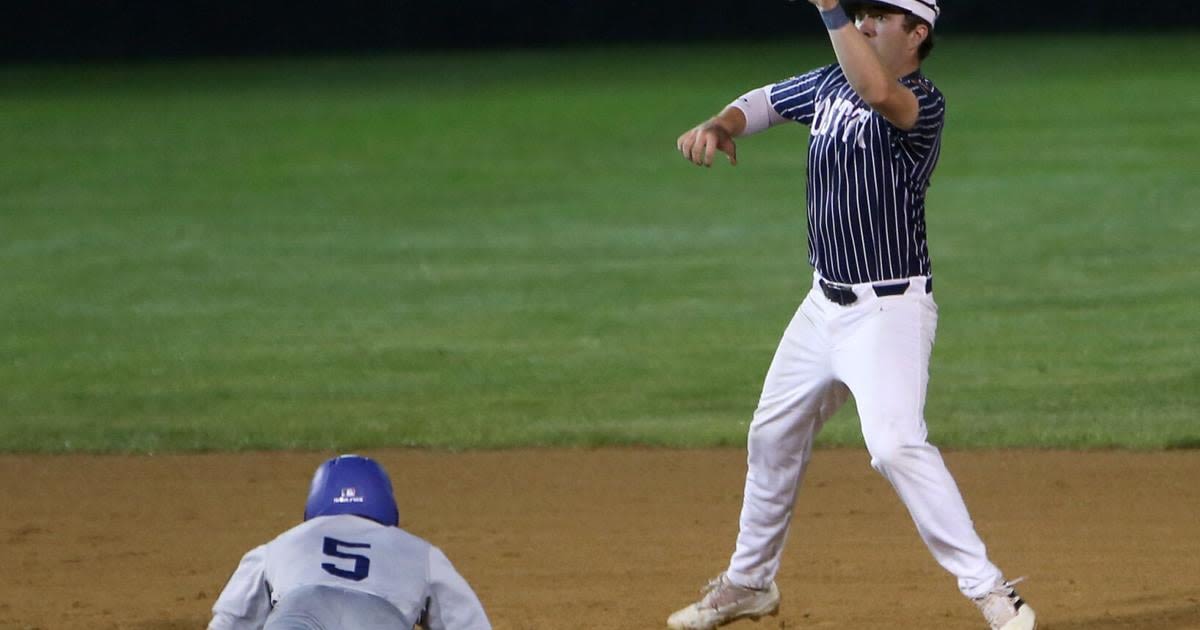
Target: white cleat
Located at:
point(724, 602)
point(1005, 610)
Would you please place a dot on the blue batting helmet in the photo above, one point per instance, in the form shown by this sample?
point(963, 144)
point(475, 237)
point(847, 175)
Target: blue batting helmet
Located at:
point(352, 484)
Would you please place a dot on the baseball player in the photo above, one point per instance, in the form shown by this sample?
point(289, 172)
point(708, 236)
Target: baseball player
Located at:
point(347, 566)
point(866, 328)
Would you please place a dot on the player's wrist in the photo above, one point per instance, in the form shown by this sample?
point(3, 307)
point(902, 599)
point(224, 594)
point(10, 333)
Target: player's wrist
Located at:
point(715, 123)
point(834, 16)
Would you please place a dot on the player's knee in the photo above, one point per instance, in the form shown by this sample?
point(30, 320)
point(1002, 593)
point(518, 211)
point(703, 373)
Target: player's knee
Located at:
point(882, 457)
point(890, 454)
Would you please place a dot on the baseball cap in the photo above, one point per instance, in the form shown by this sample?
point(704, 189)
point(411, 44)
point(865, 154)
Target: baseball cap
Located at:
point(925, 9)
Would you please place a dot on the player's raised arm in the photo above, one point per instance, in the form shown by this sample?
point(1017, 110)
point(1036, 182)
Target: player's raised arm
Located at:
point(858, 48)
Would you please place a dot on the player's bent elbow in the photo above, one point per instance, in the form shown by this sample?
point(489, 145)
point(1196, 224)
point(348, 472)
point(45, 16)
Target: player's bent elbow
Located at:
point(899, 114)
point(899, 106)
point(875, 91)
point(876, 97)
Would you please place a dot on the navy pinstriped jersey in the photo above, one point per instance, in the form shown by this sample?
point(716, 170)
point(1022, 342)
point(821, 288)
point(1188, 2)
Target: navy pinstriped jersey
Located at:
point(866, 178)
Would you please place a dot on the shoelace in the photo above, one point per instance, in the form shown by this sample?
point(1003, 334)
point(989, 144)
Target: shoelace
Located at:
point(996, 616)
point(720, 593)
point(1011, 583)
point(712, 584)
point(1005, 588)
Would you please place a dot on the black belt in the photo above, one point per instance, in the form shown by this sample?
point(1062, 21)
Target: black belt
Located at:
point(843, 294)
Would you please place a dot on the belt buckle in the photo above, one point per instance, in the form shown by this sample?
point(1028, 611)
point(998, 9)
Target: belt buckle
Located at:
point(842, 295)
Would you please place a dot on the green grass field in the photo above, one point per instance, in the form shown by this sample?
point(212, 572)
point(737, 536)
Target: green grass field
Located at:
point(502, 249)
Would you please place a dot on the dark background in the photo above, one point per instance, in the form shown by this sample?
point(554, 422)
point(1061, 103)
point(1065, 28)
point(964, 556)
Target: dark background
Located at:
point(120, 30)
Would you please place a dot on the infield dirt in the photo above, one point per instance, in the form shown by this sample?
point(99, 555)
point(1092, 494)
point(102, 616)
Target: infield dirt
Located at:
point(612, 538)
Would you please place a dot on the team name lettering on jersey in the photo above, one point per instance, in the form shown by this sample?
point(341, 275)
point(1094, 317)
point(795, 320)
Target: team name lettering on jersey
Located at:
point(831, 114)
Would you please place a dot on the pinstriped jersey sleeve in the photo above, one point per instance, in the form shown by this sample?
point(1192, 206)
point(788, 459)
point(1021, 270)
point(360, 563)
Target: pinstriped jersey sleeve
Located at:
point(931, 116)
point(794, 98)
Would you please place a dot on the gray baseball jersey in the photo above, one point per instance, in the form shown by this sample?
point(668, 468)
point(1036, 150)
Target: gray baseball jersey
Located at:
point(352, 554)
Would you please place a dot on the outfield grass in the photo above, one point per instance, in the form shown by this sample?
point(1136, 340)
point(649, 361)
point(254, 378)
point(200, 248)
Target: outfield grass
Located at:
point(489, 250)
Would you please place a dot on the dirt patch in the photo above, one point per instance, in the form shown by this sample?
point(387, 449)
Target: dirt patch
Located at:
point(614, 538)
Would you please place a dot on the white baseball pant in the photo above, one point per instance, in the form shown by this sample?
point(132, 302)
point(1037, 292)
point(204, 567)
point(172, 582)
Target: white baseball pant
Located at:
point(878, 349)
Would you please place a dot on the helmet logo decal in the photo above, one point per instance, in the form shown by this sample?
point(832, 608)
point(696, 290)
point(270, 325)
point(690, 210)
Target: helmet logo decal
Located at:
point(349, 495)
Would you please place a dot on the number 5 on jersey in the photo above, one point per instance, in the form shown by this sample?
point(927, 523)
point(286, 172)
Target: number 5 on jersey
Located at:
point(362, 564)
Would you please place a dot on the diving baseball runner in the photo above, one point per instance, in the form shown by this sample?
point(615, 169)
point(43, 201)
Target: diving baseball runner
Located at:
point(347, 565)
point(866, 327)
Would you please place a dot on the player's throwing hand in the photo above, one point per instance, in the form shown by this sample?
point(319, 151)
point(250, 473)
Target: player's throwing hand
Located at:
point(700, 144)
